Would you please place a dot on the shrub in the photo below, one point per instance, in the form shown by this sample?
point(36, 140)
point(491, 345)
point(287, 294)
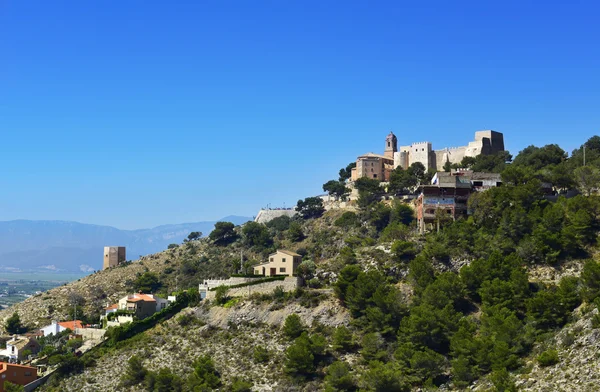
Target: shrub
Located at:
point(548, 358)
point(205, 375)
point(148, 282)
point(299, 359)
point(342, 339)
point(221, 295)
point(293, 327)
point(339, 378)
point(347, 220)
point(261, 354)
point(240, 385)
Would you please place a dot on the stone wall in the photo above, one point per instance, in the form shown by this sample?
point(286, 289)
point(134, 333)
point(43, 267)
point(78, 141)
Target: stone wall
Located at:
point(290, 283)
point(265, 216)
point(91, 333)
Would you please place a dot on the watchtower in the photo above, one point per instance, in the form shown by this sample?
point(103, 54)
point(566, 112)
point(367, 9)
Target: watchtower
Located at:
point(391, 145)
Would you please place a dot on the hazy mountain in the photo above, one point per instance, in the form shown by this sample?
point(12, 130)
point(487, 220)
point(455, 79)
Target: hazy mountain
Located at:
point(63, 246)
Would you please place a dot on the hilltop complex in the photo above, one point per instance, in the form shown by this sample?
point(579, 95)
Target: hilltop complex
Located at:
point(378, 167)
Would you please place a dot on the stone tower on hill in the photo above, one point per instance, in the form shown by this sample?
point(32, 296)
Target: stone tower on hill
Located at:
point(113, 256)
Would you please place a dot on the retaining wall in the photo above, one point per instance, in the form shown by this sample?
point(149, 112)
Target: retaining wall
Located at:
point(290, 283)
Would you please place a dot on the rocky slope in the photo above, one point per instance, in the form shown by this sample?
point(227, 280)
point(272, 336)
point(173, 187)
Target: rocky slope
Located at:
point(229, 335)
point(97, 290)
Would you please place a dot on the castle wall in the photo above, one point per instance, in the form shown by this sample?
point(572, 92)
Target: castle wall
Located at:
point(420, 152)
point(265, 216)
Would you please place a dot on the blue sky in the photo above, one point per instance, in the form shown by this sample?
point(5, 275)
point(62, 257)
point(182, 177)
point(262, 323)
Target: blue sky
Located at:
point(140, 113)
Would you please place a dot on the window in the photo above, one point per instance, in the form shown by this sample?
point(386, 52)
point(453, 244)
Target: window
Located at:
point(422, 149)
point(272, 259)
point(388, 144)
point(283, 260)
point(27, 374)
point(477, 183)
point(281, 269)
point(374, 175)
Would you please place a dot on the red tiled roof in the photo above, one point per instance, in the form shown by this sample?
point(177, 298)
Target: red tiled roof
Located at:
point(5, 365)
point(71, 324)
point(111, 307)
point(141, 297)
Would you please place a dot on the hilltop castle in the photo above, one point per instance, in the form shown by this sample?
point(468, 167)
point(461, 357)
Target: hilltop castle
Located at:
point(379, 166)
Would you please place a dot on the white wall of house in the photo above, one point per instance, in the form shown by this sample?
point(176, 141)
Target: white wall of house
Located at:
point(52, 329)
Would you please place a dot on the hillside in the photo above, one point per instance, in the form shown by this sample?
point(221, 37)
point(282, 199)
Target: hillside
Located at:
point(504, 299)
point(60, 246)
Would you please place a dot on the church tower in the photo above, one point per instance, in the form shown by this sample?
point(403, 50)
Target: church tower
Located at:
point(391, 145)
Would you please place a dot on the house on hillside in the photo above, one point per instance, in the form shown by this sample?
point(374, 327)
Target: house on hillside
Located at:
point(19, 347)
point(57, 327)
point(140, 305)
point(282, 262)
point(16, 374)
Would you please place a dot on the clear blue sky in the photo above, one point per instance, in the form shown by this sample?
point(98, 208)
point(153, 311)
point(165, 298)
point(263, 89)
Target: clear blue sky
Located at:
point(140, 113)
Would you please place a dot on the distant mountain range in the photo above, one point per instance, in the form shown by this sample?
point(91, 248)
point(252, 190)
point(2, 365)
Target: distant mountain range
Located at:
point(61, 246)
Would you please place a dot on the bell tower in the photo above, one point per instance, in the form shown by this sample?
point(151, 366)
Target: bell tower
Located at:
point(391, 145)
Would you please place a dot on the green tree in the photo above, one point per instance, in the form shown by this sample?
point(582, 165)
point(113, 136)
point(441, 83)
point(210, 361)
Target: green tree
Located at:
point(295, 233)
point(587, 178)
point(502, 381)
point(293, 326)
point(336, 188)
point(134, 373)
point(590, 280)
point(148, 282)
point(347, 220)
point(339, 378)
point(223, 233)
point(256, 234)
point(369, 191)
point(261, 354)
point(163, 381)
point(10, 387)
point(194, 235)
point(346, 277)
point(404, 250)
point(306, 270)
point(299, 358)
point(346, 173)
point(311, 207)
point(205, 376)
point(221, 296)
point(372, 347)
point(384, 377)
point(537, 158)
point(402, 181)
point(13, 324)
point(279, 224)
point(238, 384)
point(343, 339)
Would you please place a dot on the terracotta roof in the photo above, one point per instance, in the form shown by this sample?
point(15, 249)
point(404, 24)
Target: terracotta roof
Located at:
point(141, 297)
point(111, 307)
point(4, 366)
point(71, 324)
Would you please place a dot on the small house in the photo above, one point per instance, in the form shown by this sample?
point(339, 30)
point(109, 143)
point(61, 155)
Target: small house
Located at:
point(57, 327)
point(282, 262)
point(142, 305)
point(16, 374)
point(18, 348)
